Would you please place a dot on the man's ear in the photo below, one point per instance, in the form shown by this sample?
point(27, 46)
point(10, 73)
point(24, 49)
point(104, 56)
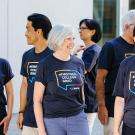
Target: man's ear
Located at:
point(39, 31)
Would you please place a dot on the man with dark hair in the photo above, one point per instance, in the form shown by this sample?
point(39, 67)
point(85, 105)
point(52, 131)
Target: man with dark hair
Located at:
point(37, 30)
point(112, 53)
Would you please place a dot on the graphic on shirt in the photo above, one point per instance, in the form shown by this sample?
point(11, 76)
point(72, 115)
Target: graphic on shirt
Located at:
point(31, 71)
point(68, 79)
point(129, 54)
point(132, 82)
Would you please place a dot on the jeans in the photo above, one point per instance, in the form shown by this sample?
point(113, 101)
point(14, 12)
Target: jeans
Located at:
point(74, 125)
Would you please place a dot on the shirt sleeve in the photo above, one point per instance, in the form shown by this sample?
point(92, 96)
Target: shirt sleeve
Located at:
point(41, 74)
point(23, 66)
point(105, 60)
point(119, 83)
point(8, 73)
point(90, 58)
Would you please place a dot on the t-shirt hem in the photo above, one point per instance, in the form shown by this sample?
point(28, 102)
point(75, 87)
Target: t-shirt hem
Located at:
point(63, 115)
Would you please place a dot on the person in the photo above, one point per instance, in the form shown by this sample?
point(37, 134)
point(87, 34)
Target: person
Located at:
point(6, 84)
point(90, 33)
point(112, 53)
point(37, 29)
point(124, 91)
point(58, 93)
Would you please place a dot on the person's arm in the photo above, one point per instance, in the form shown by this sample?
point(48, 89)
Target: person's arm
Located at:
point(23, 99)
point(39, 89)
point(77, 50)
point(9, 92)
point(100, 93)
point(118, 114)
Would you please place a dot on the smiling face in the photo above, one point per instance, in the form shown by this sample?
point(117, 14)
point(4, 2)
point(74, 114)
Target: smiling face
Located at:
point(68, 43)
point(31, 34)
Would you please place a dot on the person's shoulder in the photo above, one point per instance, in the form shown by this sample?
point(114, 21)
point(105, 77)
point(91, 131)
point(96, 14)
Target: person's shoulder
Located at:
point(96, 48)
point(112, 42)
point(47, 59)
point(26, 53)
point(49, 50)
point(76, 59)
point(3, 61)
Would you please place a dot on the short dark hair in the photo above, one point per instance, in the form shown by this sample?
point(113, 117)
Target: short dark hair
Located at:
point(134, 32)
point(93, 24)
point(40, 21)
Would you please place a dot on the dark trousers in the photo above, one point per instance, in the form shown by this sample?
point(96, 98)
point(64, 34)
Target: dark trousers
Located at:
point(127, 130)
point(1, 129)
point(2, 115)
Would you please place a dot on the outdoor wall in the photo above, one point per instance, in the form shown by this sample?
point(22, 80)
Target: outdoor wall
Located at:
point(13, 15)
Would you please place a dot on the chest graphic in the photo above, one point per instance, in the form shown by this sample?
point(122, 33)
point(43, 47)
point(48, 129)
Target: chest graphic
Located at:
point(132, 82)
point(68, 79)
point(31, 71)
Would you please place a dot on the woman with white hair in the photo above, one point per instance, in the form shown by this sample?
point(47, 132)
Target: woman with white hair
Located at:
point(58, 92)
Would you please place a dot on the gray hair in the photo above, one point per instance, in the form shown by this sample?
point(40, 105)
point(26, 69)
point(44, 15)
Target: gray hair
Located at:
point(128, 18)
point(57, 35)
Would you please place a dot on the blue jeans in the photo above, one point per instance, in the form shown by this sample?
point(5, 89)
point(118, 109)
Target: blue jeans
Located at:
point(74, 125)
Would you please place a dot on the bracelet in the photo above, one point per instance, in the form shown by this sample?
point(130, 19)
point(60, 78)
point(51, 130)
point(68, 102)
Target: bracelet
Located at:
point(21, 112)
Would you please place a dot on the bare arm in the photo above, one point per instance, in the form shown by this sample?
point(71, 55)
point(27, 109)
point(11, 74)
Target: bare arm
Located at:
point(23, 99)
point(9, 92)
point(100, 92)
point(39, 89)
point(118, 114)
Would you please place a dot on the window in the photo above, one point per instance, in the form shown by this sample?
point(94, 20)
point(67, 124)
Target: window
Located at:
point(131, 4)
point(105, 13)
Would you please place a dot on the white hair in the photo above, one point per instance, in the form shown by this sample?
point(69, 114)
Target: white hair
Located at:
point(128, 18)
point(57, 35)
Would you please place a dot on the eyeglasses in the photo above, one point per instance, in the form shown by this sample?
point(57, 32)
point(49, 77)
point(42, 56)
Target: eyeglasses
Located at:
point(131, 24)
point(82, 28)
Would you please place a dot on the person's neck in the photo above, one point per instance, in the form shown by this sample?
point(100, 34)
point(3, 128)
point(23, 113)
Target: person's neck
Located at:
point(61, 55)
point(40, 46)
point(128, 40)
point(88, 43)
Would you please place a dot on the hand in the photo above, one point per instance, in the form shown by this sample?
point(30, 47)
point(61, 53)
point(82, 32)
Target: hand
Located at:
point(116, 133)
point(5, 121)
point(43, 133)
point(82, 47)
point(103, 114)
point(20, 121)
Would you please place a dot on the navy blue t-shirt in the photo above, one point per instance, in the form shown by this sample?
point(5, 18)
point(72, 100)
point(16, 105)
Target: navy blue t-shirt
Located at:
point(30, 62)
point(63, 82)
point(111, 55)
point(5, 76)
point(89, 57)
point(125, 87)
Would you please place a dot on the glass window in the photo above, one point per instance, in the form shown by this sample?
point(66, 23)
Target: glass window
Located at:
point(105, 13)
point(131, 4)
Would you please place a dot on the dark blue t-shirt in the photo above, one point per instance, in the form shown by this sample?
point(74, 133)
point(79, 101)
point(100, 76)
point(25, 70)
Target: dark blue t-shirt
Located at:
point(5, 76)
point(89, 57)
point(63, 81)
point(111, 55)
point(125, 87)
point(30, 62)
